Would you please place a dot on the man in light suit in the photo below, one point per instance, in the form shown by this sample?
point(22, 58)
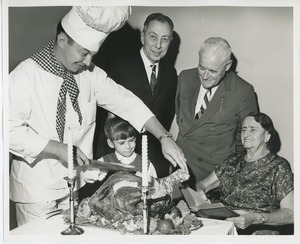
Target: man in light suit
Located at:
point(133, 71)
point(211, 103)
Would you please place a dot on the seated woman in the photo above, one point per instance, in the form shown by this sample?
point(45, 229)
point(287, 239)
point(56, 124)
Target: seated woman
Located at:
point(256, 183)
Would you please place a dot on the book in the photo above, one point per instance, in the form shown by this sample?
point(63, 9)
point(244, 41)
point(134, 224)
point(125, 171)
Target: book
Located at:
point(204, 208)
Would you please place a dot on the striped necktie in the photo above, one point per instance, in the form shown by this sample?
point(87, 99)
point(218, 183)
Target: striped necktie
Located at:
point(203, 105)
point(153, 80)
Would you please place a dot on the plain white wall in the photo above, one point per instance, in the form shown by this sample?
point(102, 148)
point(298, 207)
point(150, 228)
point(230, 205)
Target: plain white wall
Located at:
point(262, 42)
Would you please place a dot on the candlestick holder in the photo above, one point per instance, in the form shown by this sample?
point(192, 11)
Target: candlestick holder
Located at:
point(145, 209)
point(72, 229)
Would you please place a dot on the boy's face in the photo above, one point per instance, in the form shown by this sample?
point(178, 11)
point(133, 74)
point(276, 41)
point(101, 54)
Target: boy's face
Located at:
point(125, 147)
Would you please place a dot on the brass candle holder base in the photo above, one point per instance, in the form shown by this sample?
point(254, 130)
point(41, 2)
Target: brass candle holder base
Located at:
point(72, 229)
point(145, 209)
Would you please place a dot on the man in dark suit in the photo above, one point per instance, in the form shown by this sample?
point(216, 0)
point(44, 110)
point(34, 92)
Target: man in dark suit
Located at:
point(211, 103)
point(151, 78)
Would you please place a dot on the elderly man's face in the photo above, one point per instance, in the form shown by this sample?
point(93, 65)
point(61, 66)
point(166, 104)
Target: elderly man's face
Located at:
point(212, 68)
point(74, 57)
point(156, 40)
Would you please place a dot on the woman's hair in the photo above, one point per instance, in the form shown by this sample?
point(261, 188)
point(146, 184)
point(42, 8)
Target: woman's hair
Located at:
point(266, 123)
point(116, 128)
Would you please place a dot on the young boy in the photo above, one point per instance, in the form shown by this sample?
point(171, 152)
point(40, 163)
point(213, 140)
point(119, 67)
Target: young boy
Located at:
point(122, 137)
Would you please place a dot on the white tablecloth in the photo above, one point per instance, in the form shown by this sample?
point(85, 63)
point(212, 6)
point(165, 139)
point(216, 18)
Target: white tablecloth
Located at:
point(52, 227)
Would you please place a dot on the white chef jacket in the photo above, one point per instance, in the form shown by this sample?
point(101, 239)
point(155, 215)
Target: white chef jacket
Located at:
point(33, 95)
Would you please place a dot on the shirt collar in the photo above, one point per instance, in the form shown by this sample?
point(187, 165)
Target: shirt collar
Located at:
point(125, 160)
point(212, 90)
point(147, 62)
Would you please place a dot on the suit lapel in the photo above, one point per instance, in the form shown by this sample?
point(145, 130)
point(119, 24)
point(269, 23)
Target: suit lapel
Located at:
point(142, 75)
point(194, 91)
point(160, 78)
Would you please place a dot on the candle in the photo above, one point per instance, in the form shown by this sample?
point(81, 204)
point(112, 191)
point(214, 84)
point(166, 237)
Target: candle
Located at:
point(70, 154)
point(144, 161)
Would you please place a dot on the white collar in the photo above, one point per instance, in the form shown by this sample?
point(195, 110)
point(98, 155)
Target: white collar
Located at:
point(146, 61)
point(125, 160)
point(212, 90)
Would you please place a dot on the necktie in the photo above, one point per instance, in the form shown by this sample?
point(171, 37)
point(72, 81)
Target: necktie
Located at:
point(203, 105)
point(69, 85)
point(153, 80)
point(46, 60)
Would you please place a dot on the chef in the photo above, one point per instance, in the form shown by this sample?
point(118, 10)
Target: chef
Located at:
point(57, 90)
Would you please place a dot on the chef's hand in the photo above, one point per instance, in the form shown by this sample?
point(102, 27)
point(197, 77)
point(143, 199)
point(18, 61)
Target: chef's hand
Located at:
point(80, 157)
point(173, 153)
point(59, 151)
point(91, 175)
point(170, 149)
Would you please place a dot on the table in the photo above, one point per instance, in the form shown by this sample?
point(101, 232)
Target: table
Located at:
point(53, 226)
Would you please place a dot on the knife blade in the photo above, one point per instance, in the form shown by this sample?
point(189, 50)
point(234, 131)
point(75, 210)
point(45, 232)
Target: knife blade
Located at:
point(110, 166)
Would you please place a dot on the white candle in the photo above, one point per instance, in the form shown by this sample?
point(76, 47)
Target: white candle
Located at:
point(70, 154)
point(144, 161)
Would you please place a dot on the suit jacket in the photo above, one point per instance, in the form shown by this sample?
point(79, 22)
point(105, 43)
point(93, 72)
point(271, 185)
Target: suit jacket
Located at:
point(129, 71)
point(216, 134)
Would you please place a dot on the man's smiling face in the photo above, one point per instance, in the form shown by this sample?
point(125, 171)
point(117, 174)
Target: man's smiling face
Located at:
point(156, 40)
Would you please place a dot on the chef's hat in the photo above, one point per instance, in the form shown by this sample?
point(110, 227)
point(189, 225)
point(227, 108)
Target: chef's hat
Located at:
point(89, 26)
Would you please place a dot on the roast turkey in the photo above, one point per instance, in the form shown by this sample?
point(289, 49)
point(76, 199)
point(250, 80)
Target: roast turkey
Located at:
point(121, 195)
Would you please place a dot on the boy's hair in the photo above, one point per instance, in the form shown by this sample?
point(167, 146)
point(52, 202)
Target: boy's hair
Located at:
point(116, 128)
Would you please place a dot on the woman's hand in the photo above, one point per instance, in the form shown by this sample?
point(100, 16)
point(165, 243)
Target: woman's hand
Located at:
point(245, 219)
point(209, 183)
point(285, 215)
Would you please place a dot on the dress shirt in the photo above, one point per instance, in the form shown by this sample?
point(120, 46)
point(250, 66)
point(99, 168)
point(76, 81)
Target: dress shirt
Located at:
point(32, 123)
point(148, 65)
point(200, 100)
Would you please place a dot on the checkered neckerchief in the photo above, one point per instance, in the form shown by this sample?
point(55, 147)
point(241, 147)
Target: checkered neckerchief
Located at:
point(46, 60)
